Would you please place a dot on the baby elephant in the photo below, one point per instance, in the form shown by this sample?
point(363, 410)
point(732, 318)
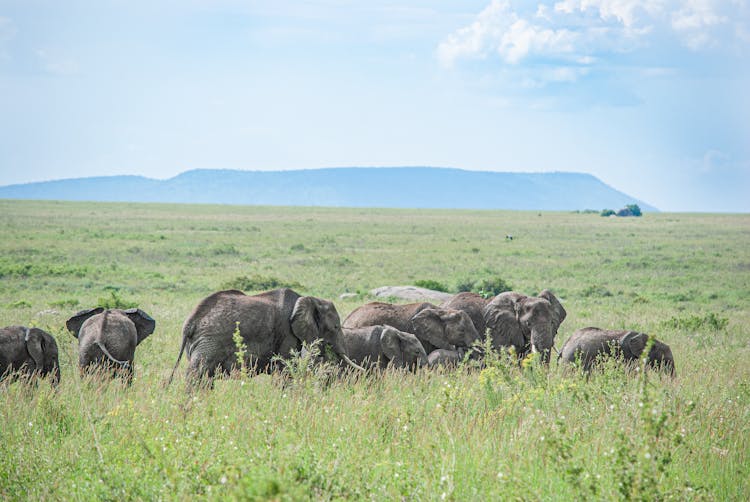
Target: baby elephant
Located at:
point(445, 357)
point(380, 346)
point(107, 338)
point(589, 343)
point(30, 351)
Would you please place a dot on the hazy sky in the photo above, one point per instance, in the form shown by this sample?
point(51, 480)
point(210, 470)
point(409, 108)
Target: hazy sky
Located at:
point(652, 97)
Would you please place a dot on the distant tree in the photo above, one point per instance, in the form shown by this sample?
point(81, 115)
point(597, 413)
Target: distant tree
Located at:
point(607, 212)
point(634, 209)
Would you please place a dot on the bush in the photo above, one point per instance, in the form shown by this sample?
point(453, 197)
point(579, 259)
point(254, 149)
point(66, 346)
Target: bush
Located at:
point(259, 283)
point(709, 321)
point(465, 285)
point(433, 285)
point(607, 212)
point(491, 286)
point(115, 301)
point(634, 209)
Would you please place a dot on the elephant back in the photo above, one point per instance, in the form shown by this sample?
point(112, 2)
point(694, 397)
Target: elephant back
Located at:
point(473, 304)
point(374, 313)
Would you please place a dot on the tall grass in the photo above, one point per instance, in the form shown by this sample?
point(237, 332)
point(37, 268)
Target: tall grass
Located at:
point(502, 431)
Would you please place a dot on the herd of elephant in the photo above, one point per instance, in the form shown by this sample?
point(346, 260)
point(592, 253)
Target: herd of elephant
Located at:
point(275, 324)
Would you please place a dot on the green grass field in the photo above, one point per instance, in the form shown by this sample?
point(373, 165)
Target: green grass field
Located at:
point(501, 433)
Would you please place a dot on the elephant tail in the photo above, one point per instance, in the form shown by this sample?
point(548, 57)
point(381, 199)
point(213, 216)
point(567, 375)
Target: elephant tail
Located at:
point(123, 364)
point(185, 335)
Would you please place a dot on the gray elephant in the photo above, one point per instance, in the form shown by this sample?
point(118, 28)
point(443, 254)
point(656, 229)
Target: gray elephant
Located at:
point(435, 327)
point(445, 357)
point(526, 323)
point(587, 345)
point(28, 351)
point(271, 324)
point(107, 338)
point(381, 346)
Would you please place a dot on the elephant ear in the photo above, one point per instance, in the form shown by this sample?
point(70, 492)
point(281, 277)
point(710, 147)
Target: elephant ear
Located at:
point(305, 319)
point(390, 345)
point(501, 320)
point(633, 343)
point(34, 339)
point(558, 312)
point(74, 323)
point(430, 327)
point(144, 324)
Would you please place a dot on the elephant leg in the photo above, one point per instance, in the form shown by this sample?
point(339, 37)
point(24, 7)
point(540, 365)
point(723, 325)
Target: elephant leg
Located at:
point(201, 372)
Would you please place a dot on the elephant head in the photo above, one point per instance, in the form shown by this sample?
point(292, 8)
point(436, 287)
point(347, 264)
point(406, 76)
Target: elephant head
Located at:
point(660, 356)
point(403, 350)
point(144, 324)
point(42, 348)
point(524, 322)
point(444, 328)
point(313, 318)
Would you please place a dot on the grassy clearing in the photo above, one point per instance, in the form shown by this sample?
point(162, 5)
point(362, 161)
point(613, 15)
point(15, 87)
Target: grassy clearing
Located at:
point(504, 432)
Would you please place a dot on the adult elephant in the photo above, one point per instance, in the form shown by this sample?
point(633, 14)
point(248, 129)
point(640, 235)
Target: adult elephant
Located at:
point(588, 345)
point(382, 346)
point(29, 352)
point(435, 327)
point(107, 338)
point(270, 324)
point(510, 319)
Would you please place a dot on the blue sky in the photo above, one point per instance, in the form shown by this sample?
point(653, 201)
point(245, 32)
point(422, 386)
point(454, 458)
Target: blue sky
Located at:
point(650, 96)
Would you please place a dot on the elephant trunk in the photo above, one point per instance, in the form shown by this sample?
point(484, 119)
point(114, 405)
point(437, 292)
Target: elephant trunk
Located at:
point(338, 348)
point(542, 339)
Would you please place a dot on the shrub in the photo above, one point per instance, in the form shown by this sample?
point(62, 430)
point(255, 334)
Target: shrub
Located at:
point(433, 285)
point(259, 283)
point(607, 212)
point(694, 322)
point(634, 209)
point(465, 285)
point(491, 286)
point(115, 301)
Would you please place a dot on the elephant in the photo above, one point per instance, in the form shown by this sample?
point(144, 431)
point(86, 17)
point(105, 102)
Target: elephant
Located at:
point(435, 327)
point(589, 344)
point(510, 319)
point(381, 346)
point(28, 351)
point(445, 357)
point(273, 323)
point(107, 338)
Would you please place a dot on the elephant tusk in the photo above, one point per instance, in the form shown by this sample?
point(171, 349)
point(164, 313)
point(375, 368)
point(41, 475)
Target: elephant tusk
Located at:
point(352, 363)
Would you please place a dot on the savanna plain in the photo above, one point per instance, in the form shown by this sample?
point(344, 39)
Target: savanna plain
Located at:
point(497, 432)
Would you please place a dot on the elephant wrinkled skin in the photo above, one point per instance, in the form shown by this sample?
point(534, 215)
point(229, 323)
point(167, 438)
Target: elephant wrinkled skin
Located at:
point(381, 346)
point(28, 351)
point(526, 323)
point(107, 338)
point(435, 327)
point(271, 324)
point(589, 344)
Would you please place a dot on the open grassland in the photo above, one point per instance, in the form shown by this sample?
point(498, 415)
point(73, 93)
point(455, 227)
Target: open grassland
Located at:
point(500, 433)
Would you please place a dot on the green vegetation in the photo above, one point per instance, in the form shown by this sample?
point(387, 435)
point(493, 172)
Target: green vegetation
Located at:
point(259, 283)
point(433, 285)
point(503, 432)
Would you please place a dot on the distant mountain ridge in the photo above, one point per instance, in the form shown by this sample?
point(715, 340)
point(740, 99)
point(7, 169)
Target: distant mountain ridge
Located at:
point(403, 187)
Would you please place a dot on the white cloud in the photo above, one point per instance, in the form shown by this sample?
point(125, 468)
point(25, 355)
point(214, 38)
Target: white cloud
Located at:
point(523, 38)
point(476, 39)
point(585, 31)
point(625, 12)
point(694, 21)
